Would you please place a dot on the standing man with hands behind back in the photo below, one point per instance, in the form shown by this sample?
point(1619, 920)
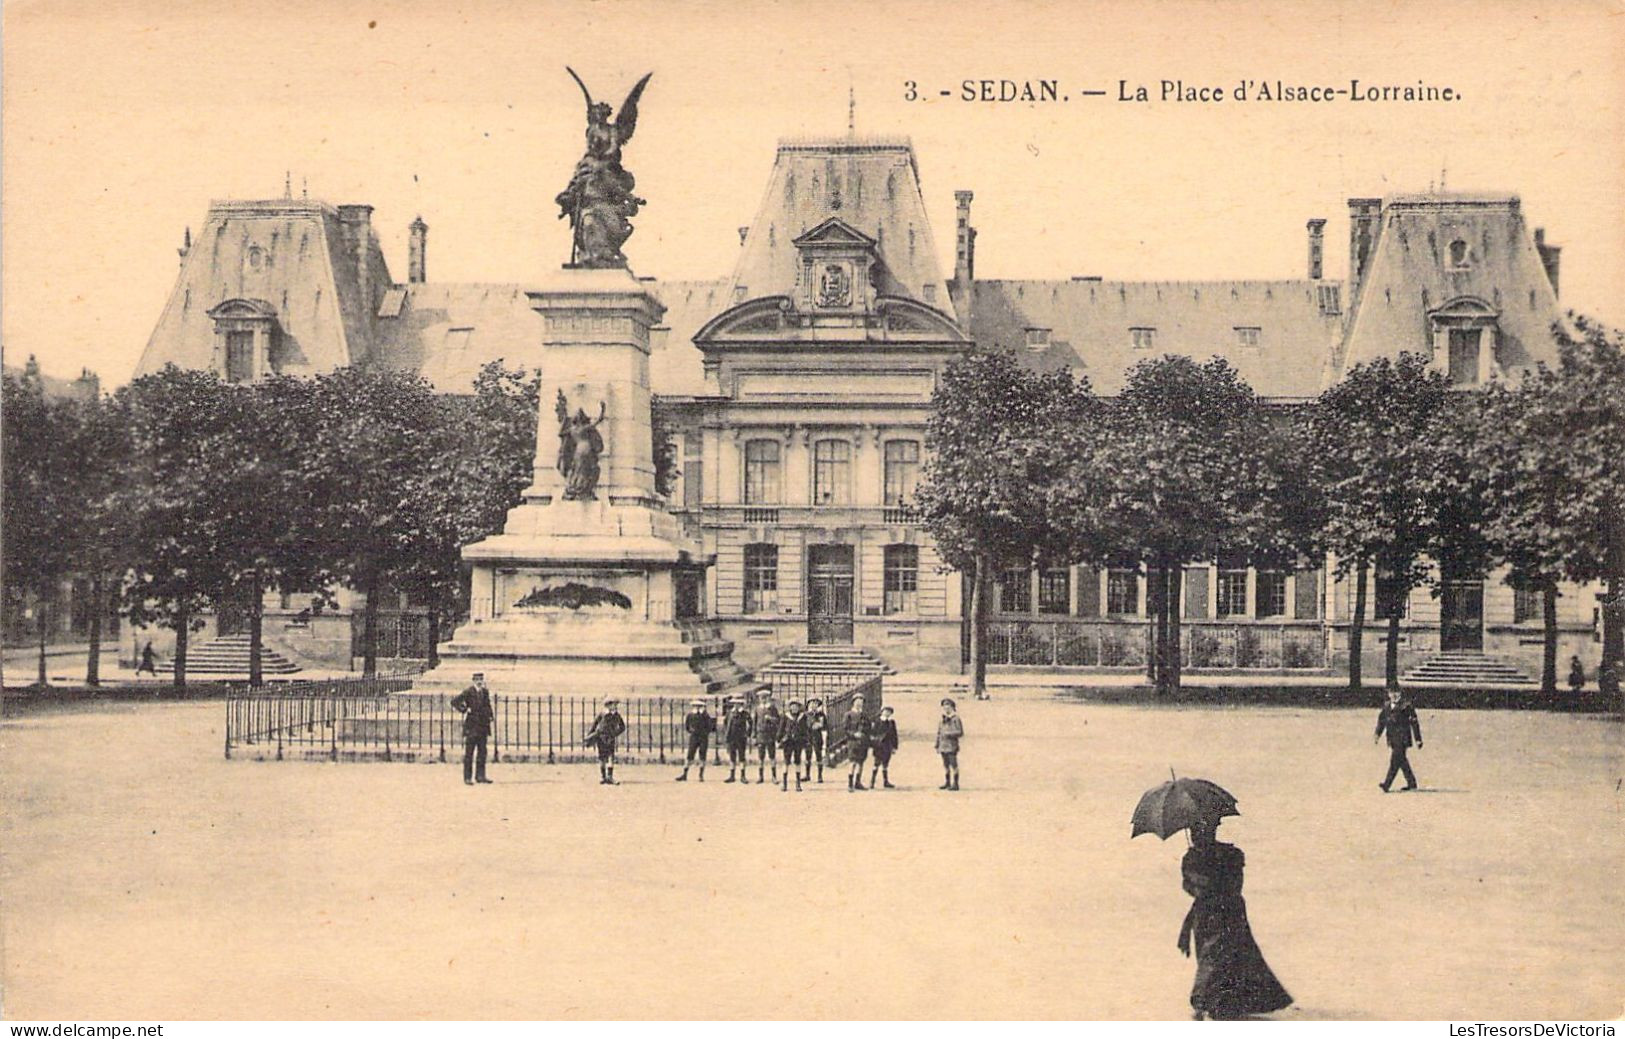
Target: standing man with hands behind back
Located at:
point(474, 704)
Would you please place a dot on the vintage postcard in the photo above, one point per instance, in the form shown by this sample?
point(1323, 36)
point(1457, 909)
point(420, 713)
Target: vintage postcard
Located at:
point(813, 511)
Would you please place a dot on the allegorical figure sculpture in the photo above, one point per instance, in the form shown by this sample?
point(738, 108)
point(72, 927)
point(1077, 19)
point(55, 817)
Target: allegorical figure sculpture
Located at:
point(599, 200)
point(579, 447)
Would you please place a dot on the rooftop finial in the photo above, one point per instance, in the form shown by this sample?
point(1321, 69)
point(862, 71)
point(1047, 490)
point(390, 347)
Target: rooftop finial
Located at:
point(287, 184)
point(304, 187)
point(851, 109)
point(1444, 169)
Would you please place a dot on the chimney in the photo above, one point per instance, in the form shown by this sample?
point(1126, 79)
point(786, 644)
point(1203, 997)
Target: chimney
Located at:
point(417, 245)
point(1317, 247)
point(357, 221)
point(1549, 256)
point(964, 241)
point(743, 231)
point(1365, 222)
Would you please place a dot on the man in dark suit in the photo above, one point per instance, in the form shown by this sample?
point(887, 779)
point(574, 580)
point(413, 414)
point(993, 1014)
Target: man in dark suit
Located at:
point(1398, 720)
point(474, 704)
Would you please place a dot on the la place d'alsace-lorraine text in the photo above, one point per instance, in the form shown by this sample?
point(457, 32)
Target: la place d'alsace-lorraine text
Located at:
point(1179, 91)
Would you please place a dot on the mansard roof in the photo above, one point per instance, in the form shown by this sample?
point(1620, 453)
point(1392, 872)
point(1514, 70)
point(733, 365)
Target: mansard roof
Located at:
point(448, 331)
point(1086, 326)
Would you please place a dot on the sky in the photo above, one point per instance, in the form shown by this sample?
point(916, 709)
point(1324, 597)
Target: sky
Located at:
point(123, 119)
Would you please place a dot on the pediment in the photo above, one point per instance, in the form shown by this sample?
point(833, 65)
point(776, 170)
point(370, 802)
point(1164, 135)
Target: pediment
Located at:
point(243, 308)
point(1464, 307)
point(836, 233)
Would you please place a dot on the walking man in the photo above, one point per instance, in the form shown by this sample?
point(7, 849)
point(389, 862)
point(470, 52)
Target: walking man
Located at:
point(606, 729)
point(699, 725)
point(737, 727)
point(817, 729)
point(1398, 719)
point(857, 739)
point(793, 738)
point(474, 704)
point(885, 741)
point(149, 664)
point(950, 730)
point(769, 723)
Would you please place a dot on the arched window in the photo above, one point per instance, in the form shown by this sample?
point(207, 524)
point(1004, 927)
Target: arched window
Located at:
point(1460, 257)
point(832, 472)
point(762, 482)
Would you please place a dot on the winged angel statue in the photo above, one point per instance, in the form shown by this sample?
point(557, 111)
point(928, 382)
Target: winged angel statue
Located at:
point(599, 200)
point(580, 444)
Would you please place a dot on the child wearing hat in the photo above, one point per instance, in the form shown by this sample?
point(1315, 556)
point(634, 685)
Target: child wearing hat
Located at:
point(817, 727)
point(885, 743)
point(737, 726)
point(857, 739)
point(606, 729)
point(699, 725)
point(950, 730)
point(793, 739)
point(769, 725)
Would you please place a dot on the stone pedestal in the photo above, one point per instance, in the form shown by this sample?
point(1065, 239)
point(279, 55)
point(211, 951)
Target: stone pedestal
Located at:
point(651, 638)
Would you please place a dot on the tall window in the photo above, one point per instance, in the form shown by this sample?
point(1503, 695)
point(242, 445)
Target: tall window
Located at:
point(1055, 590)
point(902, 470)
point(1122, 592)
point(761, 578)
point(1527, 607)
point(902, 578)
point(1016, 591)
point(239, 356)
point(832, 472)
point(1232, 598)
point(762, 484)
point(1270, 600)
point(1392, 599)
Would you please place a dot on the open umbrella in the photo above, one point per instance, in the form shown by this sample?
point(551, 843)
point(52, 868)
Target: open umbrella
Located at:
point(1178, 803)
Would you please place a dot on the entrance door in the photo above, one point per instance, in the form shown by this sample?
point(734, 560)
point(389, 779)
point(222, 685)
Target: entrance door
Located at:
point(1461, 615)
point(829, 594)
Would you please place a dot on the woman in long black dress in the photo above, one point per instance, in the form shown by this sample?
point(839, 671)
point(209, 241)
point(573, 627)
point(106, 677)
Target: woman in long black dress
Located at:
point(1232, 979)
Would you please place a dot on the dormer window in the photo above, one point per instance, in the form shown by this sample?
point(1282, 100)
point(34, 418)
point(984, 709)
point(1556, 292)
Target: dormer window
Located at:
point(1461, 258)
point(1247, 337)
point(1037, 339)
point(244, 334)
point(1465, 335)
point(1143, 338)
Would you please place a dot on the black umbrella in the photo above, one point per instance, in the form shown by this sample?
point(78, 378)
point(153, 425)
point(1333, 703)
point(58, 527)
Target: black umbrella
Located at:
point(1180, 803)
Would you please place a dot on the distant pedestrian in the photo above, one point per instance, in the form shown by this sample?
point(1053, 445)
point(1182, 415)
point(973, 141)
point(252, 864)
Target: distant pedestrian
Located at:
point(1232, 979)
point(606, 729)
point(767, 723)
point(793, 741)
point(950, 730)
point(1398, 720)
point(474, 704)
point(699, 725)
point(737, 726)
point(149, 662)
point(858, 728)
point(1577, 673)
point(884, 739)
point(817, 734)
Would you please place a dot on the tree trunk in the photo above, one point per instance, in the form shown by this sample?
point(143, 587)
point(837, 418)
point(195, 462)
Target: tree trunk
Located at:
point(44, 615)
point(978, 629)
point(434, 639)
point(1153, 634)
point(1176, 598)
point(183, 630)
point(1613, 638)
point(1391, 676)
point(1548, 655)
point(256, 633)
point(1357, 628)
point(369, 630)
point(93, 664)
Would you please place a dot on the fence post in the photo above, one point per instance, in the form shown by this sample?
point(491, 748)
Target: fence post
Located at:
point(228, 726)
point(496, 730)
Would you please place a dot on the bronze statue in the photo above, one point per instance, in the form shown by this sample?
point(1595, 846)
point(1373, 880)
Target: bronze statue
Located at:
point(599, 200)
point(579, 447)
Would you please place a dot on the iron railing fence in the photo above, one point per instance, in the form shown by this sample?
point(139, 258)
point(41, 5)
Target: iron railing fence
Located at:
point(1060, 643)
point(368, 723)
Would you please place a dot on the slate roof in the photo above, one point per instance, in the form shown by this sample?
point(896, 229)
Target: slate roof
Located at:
point(448, 331)
point(675, 363)
point(1089, 325)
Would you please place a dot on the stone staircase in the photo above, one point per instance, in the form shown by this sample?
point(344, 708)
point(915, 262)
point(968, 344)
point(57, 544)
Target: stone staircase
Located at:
point(713, 661)
point(228, 655)
point(828, 660)
point(1466, 668)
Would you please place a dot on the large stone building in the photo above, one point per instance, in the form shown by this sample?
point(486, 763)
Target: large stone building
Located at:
point(799, 387)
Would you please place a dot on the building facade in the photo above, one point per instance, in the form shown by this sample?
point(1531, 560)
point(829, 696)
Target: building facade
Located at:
point(799, 385)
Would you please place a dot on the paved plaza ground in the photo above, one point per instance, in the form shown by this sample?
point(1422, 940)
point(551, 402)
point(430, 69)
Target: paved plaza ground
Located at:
point(143, 876)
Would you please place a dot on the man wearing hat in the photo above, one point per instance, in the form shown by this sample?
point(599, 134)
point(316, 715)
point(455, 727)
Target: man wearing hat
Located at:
point(793, 739)
point(817, 727)
point(606, 729)
point(769, 723)
point(736, 729)
point(857, 726)
point(699, 725)
point(474, 704)
point(950, 730)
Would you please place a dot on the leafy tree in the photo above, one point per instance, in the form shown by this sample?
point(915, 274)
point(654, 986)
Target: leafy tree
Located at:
point(994, 441)
point(1187, 481)
point(1376, 440)
point(39, 503)
point(93, 448)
